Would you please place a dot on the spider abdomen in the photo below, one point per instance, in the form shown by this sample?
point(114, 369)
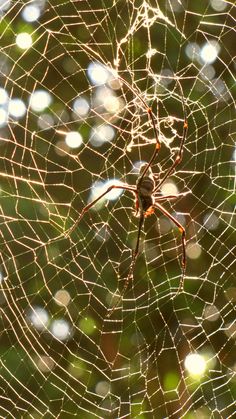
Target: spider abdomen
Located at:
point(146, 204)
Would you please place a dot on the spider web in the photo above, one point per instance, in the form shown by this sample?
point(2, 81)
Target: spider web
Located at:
point(74, 79)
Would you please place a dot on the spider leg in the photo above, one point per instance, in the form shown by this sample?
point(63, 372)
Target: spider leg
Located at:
point(183, 236)
point(132, 266)
point(91, 204)
point(151, 116)
point(166, 197)
point(179, 155)
point(158, 144)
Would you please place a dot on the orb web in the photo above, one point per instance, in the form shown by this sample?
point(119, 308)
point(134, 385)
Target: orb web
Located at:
point(75, 78)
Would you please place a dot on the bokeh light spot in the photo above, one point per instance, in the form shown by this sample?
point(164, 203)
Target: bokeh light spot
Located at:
point(210, 51)
point(62, 298)
point(81, 107)
point(101, 135)
point(195, 364)
point(73, 139)
point(98, 74)
point(61, 329)
point(16, 108)
point(24, 40)
point(40, 100)
point(31, 13)
point(193, 250)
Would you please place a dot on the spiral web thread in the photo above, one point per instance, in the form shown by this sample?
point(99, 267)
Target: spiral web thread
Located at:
point(72, 119)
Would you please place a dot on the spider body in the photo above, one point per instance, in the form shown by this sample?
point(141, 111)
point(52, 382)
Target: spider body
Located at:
point(145, 187)
point(145, 193)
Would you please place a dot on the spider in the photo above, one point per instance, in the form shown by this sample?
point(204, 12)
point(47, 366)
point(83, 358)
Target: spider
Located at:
point(144, 191)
